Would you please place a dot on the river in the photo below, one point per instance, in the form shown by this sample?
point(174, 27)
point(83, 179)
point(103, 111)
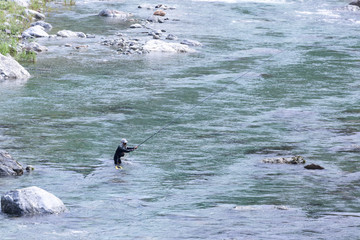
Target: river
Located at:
point(280, 78)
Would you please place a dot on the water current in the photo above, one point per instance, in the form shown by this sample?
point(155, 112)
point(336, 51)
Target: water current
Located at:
point(288, 72)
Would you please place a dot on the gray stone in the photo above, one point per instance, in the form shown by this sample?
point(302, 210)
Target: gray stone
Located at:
point(47, 26)
point(136, 25)
point(155, 19)
point(70, 34)
point(37, 15)
point(171, 37)
point(114, 13)
point(285, 160)
point(11, 69)
point(90, 36)
point(31, 201)
point(35, 31)
point(162, 46)
point(36, 47)
point(8, 165)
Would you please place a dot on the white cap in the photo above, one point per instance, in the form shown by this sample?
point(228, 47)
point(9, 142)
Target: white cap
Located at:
point(123, 141)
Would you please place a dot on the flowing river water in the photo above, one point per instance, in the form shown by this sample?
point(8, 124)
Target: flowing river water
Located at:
point(290, 70)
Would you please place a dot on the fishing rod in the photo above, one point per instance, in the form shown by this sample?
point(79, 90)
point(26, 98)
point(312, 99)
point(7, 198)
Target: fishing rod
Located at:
point(202, 101)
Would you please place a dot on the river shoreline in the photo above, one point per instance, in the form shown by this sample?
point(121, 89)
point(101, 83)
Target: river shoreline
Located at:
point(287, 71)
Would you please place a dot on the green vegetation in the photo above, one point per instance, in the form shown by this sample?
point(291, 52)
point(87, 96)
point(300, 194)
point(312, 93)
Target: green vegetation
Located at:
point(69, 2)
point(13, 21)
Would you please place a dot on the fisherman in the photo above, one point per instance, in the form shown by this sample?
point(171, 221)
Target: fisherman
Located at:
point(121, 150)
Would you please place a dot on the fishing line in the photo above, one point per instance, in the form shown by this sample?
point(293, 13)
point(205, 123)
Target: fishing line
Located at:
point(204, 99)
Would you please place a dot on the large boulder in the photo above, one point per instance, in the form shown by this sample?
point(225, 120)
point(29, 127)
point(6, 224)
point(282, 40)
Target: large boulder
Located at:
point(31, 201)
point(11, 69)
point(9, 166)
point(114, 13)
point(162, 46)
point(286, 160)
point(35, 31)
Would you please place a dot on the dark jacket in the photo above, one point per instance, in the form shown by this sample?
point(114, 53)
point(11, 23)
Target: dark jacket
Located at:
point(120, 152)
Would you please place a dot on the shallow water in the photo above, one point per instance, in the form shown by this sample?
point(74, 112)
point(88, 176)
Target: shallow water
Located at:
point(284, 79)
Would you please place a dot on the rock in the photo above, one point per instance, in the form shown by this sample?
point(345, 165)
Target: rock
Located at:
point(136, 25)
point(114, 13)
point(147, 6)
point(287, 160)
point(47, 26)
point(35, 31)
point(81, 47)
point(155, 19)
point(31, 201)
point(171, 37)
point(355, 3)
point(36, 47)
point(314, 167)
point(37, 15)
point(160, 13)
point(69, 34)
point(9, 166)
point(29, 168)
point(164, 7)
point(125, 46)
point(191, 43)
point(161, 46)
point(90, 36)
point(11, 69)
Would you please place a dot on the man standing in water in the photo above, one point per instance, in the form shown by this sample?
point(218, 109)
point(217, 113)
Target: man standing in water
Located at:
point(121, 150)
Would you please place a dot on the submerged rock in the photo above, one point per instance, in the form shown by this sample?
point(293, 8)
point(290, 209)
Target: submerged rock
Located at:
point(191, 43)
point(285, 160)
point(11, 69)
point(313, 167)
point(69, 34)
point(114, 13)
point(35, 31)
point(352, 148)
point(8, 165)
point(31, 201)
point(171, 37)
